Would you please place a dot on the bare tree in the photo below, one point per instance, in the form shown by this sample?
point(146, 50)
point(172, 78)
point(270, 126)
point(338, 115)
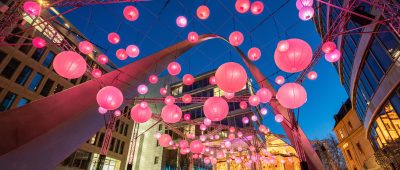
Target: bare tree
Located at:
point(329, 153)
point(388, 157)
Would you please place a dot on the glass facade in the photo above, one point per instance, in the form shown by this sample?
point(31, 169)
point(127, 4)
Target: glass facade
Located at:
point(7, 101)
point(36, 82)
point(49, 59)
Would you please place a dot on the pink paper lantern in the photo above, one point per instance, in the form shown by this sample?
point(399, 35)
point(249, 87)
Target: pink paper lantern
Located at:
point(301, 3)
point(282, 46)
point(333, 56)
point(193, 37)
point(212, 80)
point(254, 118)
point(102, 59)
point(220, 155)
point(312, 75)
point(207, 160)
point(263, 111)
point(121, 54)
point(32, 8)
point(169, 100)
point(163, 91)
point(215, 108)
point(328, 47)
point(207, 121)
point(245, 120)
point(143, 104)
point(279, 80)
point(291, 95)
point(102, 110)
point(254, 100)
point(187, 98)
point(164, 140)
point(186, 117)
point(232, 129)
point(131, 13)
point(85, 47)
point(38, 42)
point(231, 77)
point(296, 58)
point(306, 13)
point(191, 136)
point(142, 89)
point(110, 98)
point(257, 7)
point(153, 79)
point(195, 156)
point(183, 144)
point(231, 136)
point(279, 118)
point(240, 134)
point(113, 38)
point(243, 105)
point(264, 94)
point(132, 51)
point(229, 95)
point(203, 127)
point(96, 73)
point(157, 135)
point(171, 113)
point(203, 138)
point(236, 38)
point(174, 68)
point(188, 79)
point(196, 146)
point(181, 21)
point(254, 54)
point(69, 64)
point(203, 12)
point(262, 128)
point(242, 6)
point(117, 113)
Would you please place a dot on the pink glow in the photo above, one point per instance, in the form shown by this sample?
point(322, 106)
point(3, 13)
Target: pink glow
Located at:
point(215, 108)
point(183, 144)
point(32, 8)
point(243, 105)
point(242, 6)
point(196, 146)
point(236, 38)
point(296, 58)
point(291, 95)
point(231, 77)
point(245, 120)
point(193, 37)
point(212, 80)
point(171, 113)
point(153, 79)
point(187, 98)
point(169, 100)
point(188, 79)
point(306, 13)
point(279, 118)
point(254, 100)
point(174, 68)
point(203, 138)
point(301, 3)
point(102, 59)
point(207, 121)
point(312, 75)
point(102, 110)
point(264, 94)
point(333, 56)
point(110, 98)
point(131, 13)
point(186, 117)
point(282, 46)
point(181, 21)
point(85, 47)
point(96, 73)
point(254, 118)
point(264, 111)
point(132, 51)
point(117, 113)
point(164, 140)
point(254, 54)
point(232, 129)
point(240, 134)
point(203, 127)
point(257, 7)
point(262, 128)
point(121, 54)
point(163, 91)
point(143, 104)
point(328, 47)
point(113, 38)
point(279, 80)
point(231, 136)
point(229, 95)
point(203, 12)
point(69, 64)
point(38, 42)
point(142, 89)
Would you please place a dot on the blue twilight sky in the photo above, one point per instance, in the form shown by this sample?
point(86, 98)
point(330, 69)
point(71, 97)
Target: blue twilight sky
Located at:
point(156, 29)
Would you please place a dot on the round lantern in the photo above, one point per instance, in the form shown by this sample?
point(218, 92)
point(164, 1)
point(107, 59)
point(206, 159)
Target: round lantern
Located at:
point(220, 155)
point(102, 110)
point(110, 98)
point(254, 118)
point(132, 51)
point(231, 77)
point(85, 47)
point(113, 38)
point(306, 13)
point(174, 68)
point(243, 105)
point(157, 135)
point(279, 118)
point(117, 113)
point(207, 160)
point(169, 100)
point(231, 136)
point(240, 134)
point(181, 21)
point(32, 8)
point(279, 80)
point(203, 12)
point(328, 47)
point(242, 6)
point(121, 54)
point(203, 127)
point(69, 64)
point(207, 121)
point(131, 13)
point(212, 80)
point(215, 108)
point(163, 91)
point(196, 146)
point(38, 42)
point(264, 94)
point(142, 89)
point(236, 38)
point(296, 58)
point(195, 156)
point(262, 128)
point(96, 73)
point(193, 37)
point(171, 113)
point(153, 79)
point(263, 111)
point(232, 129)
point(183, 143)
point(282, 46)
point(254, 54)
point(302, 3)
point(245, 120)
point(203, 138)
point(102, 59)
point(229, 95)
point(187, 98)
point(257, 7)
point(164, 140)
point(254, 100)
point(291, 95)
point(143, 104)
point(188, 79)
point(333, 56)
point(312, 75)
point(186, 117)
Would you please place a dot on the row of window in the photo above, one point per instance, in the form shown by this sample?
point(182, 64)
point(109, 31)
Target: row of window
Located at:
point(179, 90)
point(116, 145)
point(121, 127)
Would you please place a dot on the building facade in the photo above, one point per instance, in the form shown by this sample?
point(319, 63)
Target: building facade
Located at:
point(369, 68)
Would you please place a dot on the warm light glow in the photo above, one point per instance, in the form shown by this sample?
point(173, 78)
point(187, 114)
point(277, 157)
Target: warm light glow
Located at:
point(203, 12)
point(181, 21)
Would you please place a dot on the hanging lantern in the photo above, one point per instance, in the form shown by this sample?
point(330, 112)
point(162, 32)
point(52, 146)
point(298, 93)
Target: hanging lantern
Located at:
point(263, 111)
point(117, 113)
point(188, 79)
point(215, 108)
point(187, 98)
point(279, 80)
point(242, 6)
point(243, 105)
point(102, 110)
point(212, 80)
point(312, 75)
point(203, 127)
point(157, 135)
point(102, 59)
point(203, 138)
point(207, 121)
point(282, 46)
point(203, 12)
point(296, 58)
point(231, 77)
point(164, 140)
point(229, 95)
point(186, 117)
point(142, 89)
point(279, 118)
point(109, 98)
point(121, 54)
point(264, 94)
point(254, 54)
point(96, 73)
point(140, 114)
point(291, 95)
point(132, 51)
point(143, 104)
point(32, 8)
point(174, 68)
point(328, 47)
point(333, 56)
point(254, 118)
point(302, 3)
point(240, 134)
point(245, 120)
point(171, 113)
point(193, 37)
point(306, 13)
point(196, 146)
point(69, 64)
point(131, 13)
point(163, 91)
point(169, 100)
point(232, 129)
point(153, 79)
point(183, 144)
point(85, 47)
point(236, 38)
point(38, 42)
point(220, 155)
point(262, 128)
point(254, 100)
point(113, 38)
point(231, 136)
point(257, 7)
point(207, 160)
point(181, 21)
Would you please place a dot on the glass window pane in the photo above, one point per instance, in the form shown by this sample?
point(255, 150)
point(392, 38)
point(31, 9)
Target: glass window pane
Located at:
point(8, 101)
point(24, 75)
point(10, 68)
point(47, 87)
point(22, 101)
point(49, 59)
point(36, 82)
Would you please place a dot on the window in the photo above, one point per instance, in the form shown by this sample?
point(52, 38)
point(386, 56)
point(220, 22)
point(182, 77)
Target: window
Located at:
point(36, 82)
point(121, 149)
point(2, 56)
point(156, 160)
point(8, 101)
point(38, 53)
point(100, 141)
point(111, 148)
point(341, 133)
point(49, 59)
point(160, 127)
point(22, 101)
point(350, 125)
point(26, 48)
point(47, 87)
point(126, 129)
point(10, 68)
point(117, 146)
point(24, 75)
point(359, 148)
point(349, 154)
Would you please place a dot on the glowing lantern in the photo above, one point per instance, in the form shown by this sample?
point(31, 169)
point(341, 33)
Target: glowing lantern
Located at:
point(283, 46)
point(153, 79)
point(312, 75)
point(169, 100)
point(132, 51)
point(32, 8)
point(207, 121)
point(231, 77)
point(171, 113)
point(243, 105)
point(85, 47)
point(296, 58)
point(257, 7)
point(254, 100)
point(232, 129)
point(163, 91)
point(239, 148)
point(203, 127)
point(333, 56)
point(242, 6)
point(240, 134)
point(245, 120)
point(231, 136)
point(254, 118)
point(215, 108)
point(328, 47)
point(69, 64)
point(131, 13)
point(262, 128)
point(181, 21)
point(143, 104)
point(212, 80)
point(254, 54)
point(264, 94)
point(109, 98)
point(279, 118)
point(220, 155)
point(102, 110)
point(203, 12)
point(291, 95)
point(96, 73)
point(252, 148)
point(196, 146)
point(203, 138)
point(117, 113)
point(183, 144)
point(195, 156)
point(38, 42)
point(216, 136)
point(188, 79)
point(236, 38)
point(186, 117)
point(164, 140)
point(174, 68)
point(184, 151)
point(207, 160)
point(264, 111)
point(102, 59)
point(306, 13)
point(157, 135)
point(187, 98)
point(193, 37)
point(113, 38)
point(302, 3)
point(142, 89)
point(279, 80)
point(229, 95)
point(121, 54)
